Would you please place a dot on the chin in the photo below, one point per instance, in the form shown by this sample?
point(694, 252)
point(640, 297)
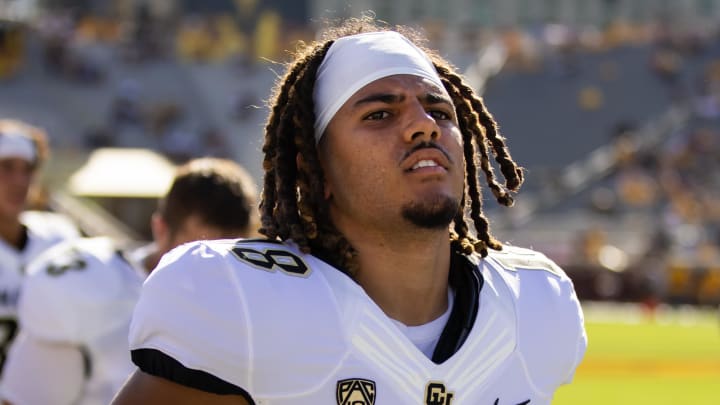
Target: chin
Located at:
point(433, 213)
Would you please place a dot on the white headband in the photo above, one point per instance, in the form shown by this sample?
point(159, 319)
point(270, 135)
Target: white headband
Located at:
point(354, 61)
point(17, 145)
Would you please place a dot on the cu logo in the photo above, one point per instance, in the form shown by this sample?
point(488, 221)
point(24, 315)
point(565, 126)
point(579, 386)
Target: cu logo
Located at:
point(437, 394)
point(271, 259)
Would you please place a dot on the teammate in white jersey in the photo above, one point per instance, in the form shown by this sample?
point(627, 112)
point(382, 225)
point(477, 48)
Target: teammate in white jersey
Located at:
point(379, 282)
point(23, 234)
point(78, 297)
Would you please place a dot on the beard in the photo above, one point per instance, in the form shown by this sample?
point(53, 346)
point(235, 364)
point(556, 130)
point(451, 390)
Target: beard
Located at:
point(436, 213)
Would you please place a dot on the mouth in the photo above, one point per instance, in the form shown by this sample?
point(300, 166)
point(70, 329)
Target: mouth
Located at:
point(424, 163)
point(429, 157)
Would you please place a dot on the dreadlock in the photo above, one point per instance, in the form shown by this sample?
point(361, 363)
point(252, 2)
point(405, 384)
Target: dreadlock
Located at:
point(293, 205)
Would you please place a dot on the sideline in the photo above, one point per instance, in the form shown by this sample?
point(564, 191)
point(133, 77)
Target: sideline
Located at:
point(663, 314)
point(649, 368)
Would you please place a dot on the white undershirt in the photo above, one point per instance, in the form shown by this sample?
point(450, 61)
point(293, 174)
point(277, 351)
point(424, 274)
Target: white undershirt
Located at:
point(425, 337)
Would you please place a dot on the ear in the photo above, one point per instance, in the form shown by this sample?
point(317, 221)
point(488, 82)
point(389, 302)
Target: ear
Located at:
point(302, 165)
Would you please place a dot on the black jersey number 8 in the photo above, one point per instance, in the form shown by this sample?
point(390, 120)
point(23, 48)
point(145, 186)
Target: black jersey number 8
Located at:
point(269, 259)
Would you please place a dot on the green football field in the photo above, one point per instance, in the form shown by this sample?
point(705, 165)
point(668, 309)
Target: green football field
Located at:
point(634, 357)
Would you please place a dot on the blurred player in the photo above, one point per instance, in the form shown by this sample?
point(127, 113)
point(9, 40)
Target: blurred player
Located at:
point(78, 297)
point(23, 234)
point(380, 282)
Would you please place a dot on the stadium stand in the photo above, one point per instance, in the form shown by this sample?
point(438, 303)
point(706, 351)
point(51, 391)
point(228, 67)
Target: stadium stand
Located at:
point(597, 127)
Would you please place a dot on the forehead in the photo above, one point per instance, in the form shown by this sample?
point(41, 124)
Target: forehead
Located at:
point(398, 84)
point(15, 160)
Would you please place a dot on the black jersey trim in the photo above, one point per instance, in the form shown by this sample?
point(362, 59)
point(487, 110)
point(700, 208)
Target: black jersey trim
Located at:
point(159, 364)
point(467, 282)
point(23, 242)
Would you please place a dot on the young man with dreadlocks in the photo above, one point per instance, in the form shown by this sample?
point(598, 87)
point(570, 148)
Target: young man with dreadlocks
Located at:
point(371, 287)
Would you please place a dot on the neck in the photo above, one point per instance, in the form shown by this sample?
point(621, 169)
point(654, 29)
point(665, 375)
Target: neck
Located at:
point(406, 277)
point(11, 231)
point(151, 260)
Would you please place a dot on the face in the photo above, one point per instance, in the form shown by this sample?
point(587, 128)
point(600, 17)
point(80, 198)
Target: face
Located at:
point(392, 157)
point(16, 175)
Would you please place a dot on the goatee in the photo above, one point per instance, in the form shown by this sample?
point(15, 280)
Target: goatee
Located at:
point(434, 214)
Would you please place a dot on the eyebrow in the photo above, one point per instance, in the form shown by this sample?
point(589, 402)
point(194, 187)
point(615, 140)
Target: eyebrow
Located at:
point(386, 98)
point(434, 98)
point(389, 98)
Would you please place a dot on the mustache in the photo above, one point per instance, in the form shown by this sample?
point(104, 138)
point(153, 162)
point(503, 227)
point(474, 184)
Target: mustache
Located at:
point(427, 145)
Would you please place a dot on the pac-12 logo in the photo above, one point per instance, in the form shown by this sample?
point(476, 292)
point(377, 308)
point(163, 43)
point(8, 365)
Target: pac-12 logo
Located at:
point(355, 391)
point(437, 394)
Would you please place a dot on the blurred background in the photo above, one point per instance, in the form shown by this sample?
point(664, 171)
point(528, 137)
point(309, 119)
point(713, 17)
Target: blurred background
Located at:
point(613, 107)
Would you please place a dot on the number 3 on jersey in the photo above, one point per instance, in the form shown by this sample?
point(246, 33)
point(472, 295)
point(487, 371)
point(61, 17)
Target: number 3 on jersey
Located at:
point(270, 259)
point(71, 260)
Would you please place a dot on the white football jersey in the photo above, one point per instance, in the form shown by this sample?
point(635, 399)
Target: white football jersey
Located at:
point(44, 230)
point(83, 292)
point(263, 320)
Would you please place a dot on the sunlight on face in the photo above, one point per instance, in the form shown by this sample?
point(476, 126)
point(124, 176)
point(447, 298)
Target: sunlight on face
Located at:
point(393, 156)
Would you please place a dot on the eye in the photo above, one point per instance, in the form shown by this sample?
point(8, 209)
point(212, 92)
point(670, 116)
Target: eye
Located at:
point(439, 115)
point(377, 115)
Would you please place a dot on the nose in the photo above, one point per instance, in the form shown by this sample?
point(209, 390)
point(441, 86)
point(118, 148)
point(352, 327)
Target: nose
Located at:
point(420, 124)
point(17, 175)
point(19, 180)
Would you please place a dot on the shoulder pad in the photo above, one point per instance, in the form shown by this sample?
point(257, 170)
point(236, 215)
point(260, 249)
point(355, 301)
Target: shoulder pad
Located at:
point(49, 224)
point(547, 309)
point(515, 258)
point(183, 311)
point(78, 289)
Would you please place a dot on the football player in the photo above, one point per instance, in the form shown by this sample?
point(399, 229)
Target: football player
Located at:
point(23, 233)
point(379, 282)
point(78, 297)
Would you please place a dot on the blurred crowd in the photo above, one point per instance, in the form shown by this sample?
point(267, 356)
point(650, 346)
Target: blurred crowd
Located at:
point(97, 52)
point(671, 176)
point(676, 180)
point(677, 184)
